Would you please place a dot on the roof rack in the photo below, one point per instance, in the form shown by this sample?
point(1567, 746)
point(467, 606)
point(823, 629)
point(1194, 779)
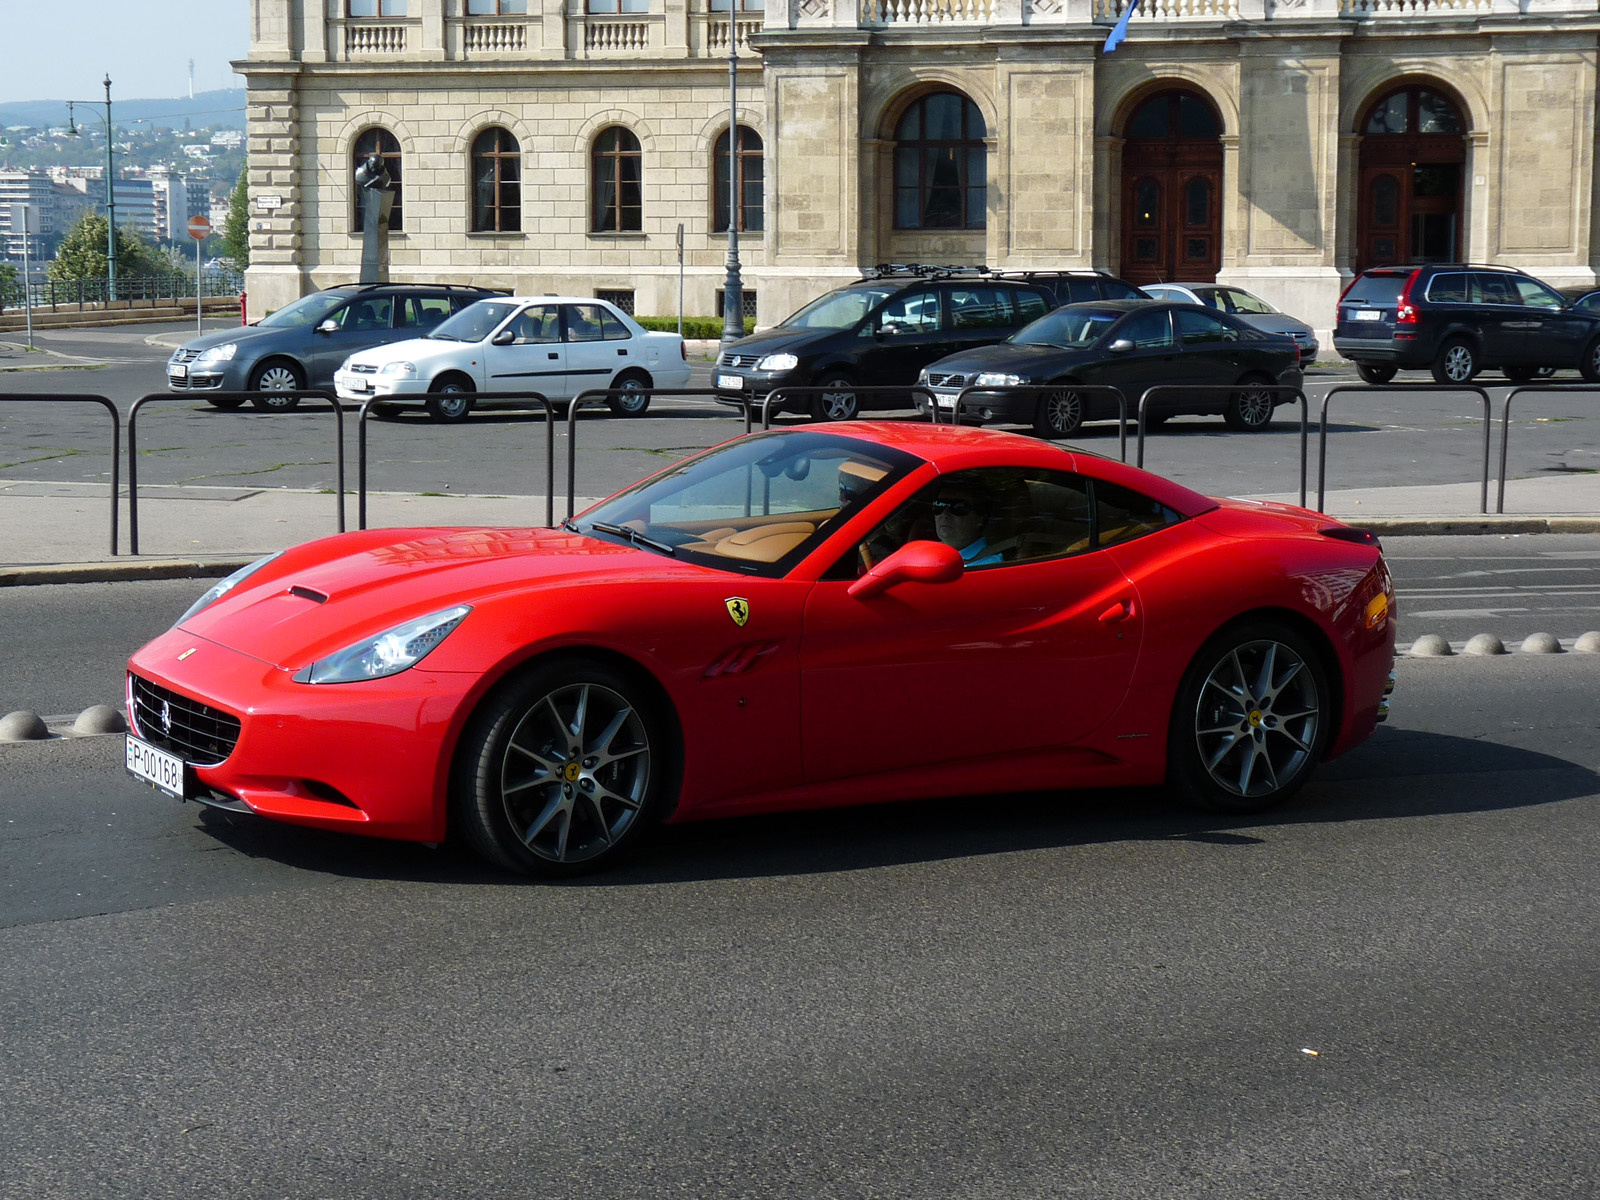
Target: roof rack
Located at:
point(922, 270)
point(1051, 272)
point(1449, 266)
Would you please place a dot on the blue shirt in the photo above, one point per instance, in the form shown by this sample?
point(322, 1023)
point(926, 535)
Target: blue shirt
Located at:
point(973, 555)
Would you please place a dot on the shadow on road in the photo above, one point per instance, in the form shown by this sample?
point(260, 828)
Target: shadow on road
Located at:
point(1398, 774)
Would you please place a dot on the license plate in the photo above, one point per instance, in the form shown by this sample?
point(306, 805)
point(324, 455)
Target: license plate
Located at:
point(947, 401)
point(178, 371)
point(734, 383)
point(1369, 314)
point(155, 767)
point(360, 385)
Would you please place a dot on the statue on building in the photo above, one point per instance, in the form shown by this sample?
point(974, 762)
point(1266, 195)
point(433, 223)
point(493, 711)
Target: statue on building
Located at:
point(376, 199)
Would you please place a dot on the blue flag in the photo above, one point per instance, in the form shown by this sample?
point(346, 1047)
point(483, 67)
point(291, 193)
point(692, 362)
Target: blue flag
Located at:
point(1120, 31)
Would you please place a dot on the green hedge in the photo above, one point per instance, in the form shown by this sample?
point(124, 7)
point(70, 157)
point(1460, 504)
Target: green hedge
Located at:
point(693, 327)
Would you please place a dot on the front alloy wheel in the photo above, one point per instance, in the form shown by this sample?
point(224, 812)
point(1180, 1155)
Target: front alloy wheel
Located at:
point(271, 381)
point(1249, 409)
point(1060, 413)
point(836, 402)
point(561, 772)
point(1249, 722)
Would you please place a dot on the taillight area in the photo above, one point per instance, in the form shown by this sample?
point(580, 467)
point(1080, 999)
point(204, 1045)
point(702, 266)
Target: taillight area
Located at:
point(1405, 312)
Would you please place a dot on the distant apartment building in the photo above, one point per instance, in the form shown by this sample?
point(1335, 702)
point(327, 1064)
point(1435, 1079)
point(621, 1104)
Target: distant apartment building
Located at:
point(171, 194)
point(228, 139)
point(59, 207)
point(136, 207)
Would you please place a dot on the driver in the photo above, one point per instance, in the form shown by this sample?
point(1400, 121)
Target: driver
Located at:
point(960, 512)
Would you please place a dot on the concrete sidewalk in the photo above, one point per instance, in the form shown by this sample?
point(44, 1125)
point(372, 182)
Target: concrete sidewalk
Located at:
point(15, 356)
point(60, 532)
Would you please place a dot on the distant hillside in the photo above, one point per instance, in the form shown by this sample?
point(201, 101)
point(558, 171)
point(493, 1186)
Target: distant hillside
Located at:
point(215, 110)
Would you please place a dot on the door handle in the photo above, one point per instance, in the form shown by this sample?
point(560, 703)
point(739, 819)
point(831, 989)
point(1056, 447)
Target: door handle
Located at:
point(554, 355)
point(1122, 610)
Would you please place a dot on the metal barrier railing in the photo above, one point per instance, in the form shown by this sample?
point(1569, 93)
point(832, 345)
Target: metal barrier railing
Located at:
point(133, 444)
point(1505, 423)
point(1223, 389)
point(531, 400)
point(116, 436)
point(772, 403)
point(1372, 389)
point(1096, 389)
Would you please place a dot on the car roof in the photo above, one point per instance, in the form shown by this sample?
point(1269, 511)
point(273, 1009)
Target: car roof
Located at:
point(557, 300)
point(410, 287)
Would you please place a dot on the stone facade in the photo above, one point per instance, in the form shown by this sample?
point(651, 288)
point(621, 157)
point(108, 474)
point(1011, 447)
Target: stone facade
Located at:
point(825, 83)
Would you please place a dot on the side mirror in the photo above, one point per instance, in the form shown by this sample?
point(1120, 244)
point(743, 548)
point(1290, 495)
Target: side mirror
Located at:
point(504, 338)
point(918, 562)
point(328, 326)
point(1120, 346)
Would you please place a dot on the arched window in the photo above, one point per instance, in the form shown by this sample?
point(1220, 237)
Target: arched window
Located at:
point(618, 203)
point(384, 144)
point(496, 182)
point(1414, 110)
point(1173, 114)
point(940, 164)
point(749, 184)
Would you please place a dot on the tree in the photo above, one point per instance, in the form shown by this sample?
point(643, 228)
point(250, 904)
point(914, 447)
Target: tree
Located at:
point(236, 226)
point(83, 252)
point(10, 289)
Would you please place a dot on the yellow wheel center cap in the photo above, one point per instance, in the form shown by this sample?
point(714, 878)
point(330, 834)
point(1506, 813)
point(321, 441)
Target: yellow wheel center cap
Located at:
point(572, 771)
point(1255, 718)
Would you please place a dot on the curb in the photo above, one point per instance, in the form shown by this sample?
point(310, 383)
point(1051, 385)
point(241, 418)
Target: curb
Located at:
point(113, 572)
point(1480, 524)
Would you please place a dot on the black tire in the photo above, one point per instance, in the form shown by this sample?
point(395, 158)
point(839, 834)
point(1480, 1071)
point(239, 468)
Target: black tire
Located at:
point(273, 376)
point(516, 738)
point(1456, 362)
point(454, 400)
point(637, 385)
point(1250, 409)
point(1375, 374)
point(1589, 364)
point(839, 400)
point(1060, 412)
point(1520, 374)
point(225, 403)
point(1221, 726)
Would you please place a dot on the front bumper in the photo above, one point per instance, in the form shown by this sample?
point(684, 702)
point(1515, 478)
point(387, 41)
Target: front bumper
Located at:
point(984, 408)
point(192, 375)
point(359, 386)
point(742, 386)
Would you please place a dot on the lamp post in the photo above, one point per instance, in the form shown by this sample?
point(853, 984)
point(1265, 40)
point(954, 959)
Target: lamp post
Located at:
point(111, 193)
point(733, 288)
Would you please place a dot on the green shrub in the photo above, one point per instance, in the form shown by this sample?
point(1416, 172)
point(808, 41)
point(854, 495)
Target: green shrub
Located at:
point(693, 327)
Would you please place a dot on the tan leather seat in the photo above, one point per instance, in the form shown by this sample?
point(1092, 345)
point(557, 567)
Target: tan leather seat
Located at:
point(765, 543)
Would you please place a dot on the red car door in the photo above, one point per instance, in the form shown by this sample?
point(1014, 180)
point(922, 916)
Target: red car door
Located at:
point(1007, 658)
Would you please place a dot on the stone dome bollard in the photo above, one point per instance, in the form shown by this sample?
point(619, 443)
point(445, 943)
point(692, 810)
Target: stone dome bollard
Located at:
point(1541, 643)
point(100, 718)
point(1484, 643)
point(23, 726)
point(1431, 645)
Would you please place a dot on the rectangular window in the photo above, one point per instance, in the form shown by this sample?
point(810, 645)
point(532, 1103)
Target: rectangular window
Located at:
point(496, 8)
point(622, 299)
point(612, 7)
point(738, 5)
point(747, 302)
point(374, 8)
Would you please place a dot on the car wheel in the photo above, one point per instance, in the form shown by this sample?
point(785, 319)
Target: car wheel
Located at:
point(1372, 374)
point(561, 771)
point(1059, 413)
point(1251, 719)
point(1456, 362)
point(273, 377)
point(1520, 374)
point(1589, 364)
point(225, 403)
point(1250, 408)
point(837, 401)
point(635, 387)
point(453, 401)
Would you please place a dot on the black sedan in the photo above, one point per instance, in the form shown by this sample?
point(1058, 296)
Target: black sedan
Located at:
point(1127, 344)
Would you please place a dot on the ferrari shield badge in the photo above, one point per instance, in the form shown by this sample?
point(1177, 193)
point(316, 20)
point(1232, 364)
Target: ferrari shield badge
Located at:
point(738, 609)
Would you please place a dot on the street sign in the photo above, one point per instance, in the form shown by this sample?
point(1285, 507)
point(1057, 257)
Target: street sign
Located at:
point(24, 219)
point(199, 228)
point(269, 203)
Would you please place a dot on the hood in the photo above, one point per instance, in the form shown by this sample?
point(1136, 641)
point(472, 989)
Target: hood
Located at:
point(771, 341)
point(242, 334)
point(1275, 322)
point(410, 350)
point(1009, 357)
point(323, 596)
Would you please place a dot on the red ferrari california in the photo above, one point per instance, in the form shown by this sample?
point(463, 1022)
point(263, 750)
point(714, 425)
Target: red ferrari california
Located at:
point(832, 615)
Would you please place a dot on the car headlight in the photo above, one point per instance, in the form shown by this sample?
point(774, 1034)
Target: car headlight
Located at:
point(409, 370)
point(389, 653)
point(219, 353)
point(778, 362)
point(996, 379)
point(922, 375)
point(222, 589)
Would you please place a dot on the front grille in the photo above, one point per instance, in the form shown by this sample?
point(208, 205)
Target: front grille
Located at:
point(185, 356)
point(195, 732)
point(363, 369)
point(179, 383)
point(947, 381)
point(738, 360)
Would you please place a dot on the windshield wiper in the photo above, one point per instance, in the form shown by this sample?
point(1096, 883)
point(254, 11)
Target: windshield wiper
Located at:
point(633, 535)
point(442, 337)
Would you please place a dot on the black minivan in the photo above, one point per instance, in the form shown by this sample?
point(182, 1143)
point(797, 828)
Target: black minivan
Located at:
point(879, 331)
point(1455, 319)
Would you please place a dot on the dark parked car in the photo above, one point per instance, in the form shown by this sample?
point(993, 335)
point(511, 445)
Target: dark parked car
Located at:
point(302, 344)
point(1127, 344)
point(1076, 287)
point(1455, 320)
point(877, 331)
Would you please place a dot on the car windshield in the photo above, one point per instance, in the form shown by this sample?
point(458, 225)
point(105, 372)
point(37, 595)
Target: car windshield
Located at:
point(839, 310)
point(1246, 303)
point(308, 310)
point(1071, 327)
point(756, 505)
point(474, 322)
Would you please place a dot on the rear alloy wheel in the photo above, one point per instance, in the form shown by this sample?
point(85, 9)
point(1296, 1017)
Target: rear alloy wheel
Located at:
point(1059, 414)
point(273, 378)
point(1373, 374)
point(837, 401)
point(1250, 408)
point(1589, 364)
point(635, 397)
point(1251, 719)
point(453, 401)
point(561, 772)
point(1456, 362)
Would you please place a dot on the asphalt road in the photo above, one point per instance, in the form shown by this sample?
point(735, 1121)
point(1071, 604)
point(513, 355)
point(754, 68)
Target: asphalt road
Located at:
point(1374, 441)
point(1387, 990)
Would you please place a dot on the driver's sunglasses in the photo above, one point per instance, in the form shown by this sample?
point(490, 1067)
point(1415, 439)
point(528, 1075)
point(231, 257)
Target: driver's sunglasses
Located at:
point(956, 508)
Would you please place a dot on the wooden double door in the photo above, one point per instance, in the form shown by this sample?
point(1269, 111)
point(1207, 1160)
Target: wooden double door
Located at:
point(1172, 210)
point(1410, 203)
